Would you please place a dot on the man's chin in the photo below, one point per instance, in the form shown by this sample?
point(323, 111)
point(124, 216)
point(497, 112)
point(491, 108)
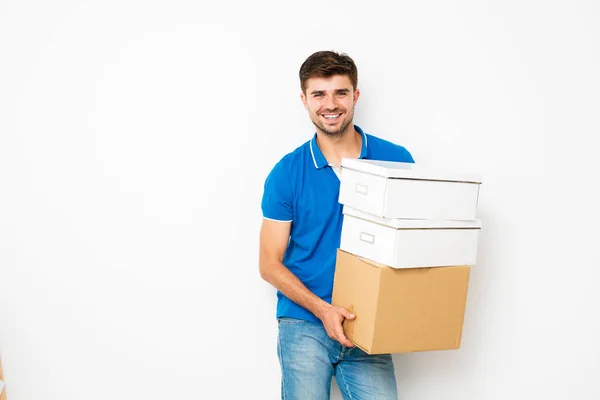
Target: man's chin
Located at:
point(334, 132)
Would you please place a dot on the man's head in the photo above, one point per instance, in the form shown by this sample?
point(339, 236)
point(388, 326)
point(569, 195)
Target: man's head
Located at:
point(325, 64)
point(329, 91)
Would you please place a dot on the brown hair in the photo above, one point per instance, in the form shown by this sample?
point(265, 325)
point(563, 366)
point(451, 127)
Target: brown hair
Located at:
point(324, 64)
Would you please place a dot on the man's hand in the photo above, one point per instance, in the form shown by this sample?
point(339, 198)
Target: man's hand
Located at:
point(332, 319)
point(274, 238)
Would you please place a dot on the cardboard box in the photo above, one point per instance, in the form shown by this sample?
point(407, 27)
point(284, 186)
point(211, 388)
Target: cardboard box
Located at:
point(401, 310)
point(406, 190)
point(410, 243)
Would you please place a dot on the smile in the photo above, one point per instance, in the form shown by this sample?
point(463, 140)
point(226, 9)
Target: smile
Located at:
point(331, 116)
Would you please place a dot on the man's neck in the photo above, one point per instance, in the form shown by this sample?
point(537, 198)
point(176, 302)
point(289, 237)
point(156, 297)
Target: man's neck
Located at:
point(348, 145)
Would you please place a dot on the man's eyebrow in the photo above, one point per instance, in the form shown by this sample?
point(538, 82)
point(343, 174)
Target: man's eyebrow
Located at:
point(336, 91)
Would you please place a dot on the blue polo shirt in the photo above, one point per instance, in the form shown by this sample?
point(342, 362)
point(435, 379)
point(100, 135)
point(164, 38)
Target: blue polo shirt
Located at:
point(302, 188)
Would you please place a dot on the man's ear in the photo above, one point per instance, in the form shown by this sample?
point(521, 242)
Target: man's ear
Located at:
point(356, 95)
point(303, 98)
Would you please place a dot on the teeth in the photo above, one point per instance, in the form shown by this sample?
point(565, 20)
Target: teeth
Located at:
point(331, 116)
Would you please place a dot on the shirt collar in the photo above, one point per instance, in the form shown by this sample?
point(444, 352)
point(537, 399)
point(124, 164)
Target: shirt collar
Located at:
point(319, 159)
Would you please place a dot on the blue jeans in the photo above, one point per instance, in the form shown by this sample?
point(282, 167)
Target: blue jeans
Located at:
point(309, 359)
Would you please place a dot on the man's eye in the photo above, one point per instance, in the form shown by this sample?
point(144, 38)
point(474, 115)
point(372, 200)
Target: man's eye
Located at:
point(318, 95)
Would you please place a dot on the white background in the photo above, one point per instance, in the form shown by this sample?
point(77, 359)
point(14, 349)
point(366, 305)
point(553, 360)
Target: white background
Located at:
point(135, 137)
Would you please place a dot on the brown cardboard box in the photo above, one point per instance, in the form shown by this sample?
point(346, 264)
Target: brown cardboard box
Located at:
point(401, 310)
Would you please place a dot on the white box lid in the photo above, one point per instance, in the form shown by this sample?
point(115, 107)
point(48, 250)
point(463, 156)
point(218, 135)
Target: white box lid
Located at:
point(393, 169)
point(403, 223)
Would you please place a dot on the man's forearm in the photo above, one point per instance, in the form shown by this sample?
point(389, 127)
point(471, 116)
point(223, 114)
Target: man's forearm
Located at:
point(287, 283)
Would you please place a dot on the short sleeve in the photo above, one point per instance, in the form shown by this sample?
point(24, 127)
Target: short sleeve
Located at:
point(399, 153)
point(277, 196)
point(404, 155)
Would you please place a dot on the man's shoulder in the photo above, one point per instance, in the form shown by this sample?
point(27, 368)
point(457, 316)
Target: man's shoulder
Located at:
point(286, 164)
point(382, 144)
point(386, 150)
point(295, 155)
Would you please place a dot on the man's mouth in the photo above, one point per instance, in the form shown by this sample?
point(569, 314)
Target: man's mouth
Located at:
point(331, 117)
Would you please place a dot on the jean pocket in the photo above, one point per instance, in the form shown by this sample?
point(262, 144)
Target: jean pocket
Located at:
point(289, 320)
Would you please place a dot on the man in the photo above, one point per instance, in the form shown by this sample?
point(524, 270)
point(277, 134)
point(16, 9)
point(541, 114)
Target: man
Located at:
point(300, 235)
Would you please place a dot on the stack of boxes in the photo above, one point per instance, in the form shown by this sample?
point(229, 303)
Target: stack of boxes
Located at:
point(409, 240)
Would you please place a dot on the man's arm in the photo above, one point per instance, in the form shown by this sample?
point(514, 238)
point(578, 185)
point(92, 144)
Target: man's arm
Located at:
point(274, 236)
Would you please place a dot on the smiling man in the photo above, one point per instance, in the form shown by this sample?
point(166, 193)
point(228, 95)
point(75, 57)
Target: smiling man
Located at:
point(301, 232)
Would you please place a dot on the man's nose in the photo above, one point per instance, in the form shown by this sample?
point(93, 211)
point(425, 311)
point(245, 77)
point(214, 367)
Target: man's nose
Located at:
point(330, 103)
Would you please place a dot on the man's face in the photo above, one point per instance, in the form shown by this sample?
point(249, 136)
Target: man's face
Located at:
point(330, 103)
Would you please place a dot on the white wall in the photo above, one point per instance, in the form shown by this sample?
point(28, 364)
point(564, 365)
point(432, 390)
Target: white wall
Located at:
point(123, 277)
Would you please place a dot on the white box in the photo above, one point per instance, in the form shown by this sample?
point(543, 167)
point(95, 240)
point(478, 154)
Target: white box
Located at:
point(406, 243)
point(406, 190)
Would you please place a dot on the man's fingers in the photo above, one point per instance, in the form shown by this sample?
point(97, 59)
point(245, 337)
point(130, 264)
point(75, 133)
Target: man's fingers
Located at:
point(348, 314)
point(345, 313)
point(341, 337)
point(344, 341)
point(333, 325)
